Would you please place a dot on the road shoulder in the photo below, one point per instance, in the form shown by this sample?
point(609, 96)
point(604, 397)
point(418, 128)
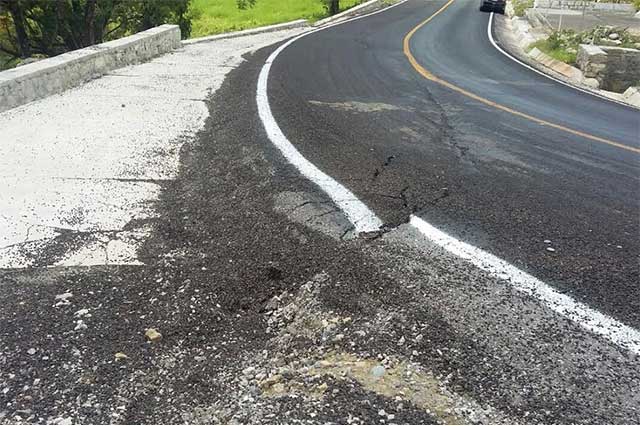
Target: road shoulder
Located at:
point(511, 39)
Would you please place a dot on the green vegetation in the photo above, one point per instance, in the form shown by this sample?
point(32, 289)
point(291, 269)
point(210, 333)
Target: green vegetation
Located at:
point(213, 17)
point(6, 61)
point(43, 28)
point(563, 45)
point(557, 52)
point(519, 6)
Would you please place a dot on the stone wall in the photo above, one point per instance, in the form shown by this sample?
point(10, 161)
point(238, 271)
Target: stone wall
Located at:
point(615, 68)
point(37, 80)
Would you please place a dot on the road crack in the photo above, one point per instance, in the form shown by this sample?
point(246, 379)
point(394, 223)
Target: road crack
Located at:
point(378, 171)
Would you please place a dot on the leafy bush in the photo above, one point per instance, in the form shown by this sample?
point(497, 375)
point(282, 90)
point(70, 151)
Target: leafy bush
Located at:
point(553, 46)
point(519, 6)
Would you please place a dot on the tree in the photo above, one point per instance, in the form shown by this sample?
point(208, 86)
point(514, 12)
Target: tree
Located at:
point(89, 22)
point(15, 11)
point(333, 6)
point(51, 27)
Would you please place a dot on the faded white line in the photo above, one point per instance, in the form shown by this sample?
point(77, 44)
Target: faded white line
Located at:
point(365, 220)
point(550, 77)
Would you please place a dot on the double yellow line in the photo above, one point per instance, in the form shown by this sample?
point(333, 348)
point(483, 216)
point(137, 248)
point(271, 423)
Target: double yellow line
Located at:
point(426, 74)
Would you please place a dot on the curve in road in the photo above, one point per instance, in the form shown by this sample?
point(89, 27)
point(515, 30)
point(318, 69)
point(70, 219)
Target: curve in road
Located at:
point(541, 109)
point(405, 146)
point(428, 75)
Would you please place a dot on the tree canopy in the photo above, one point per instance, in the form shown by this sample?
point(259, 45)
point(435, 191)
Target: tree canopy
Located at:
point(51, 27)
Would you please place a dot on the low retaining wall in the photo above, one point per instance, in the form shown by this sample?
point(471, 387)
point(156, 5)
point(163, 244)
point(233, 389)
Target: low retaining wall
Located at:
point(369, 6)
point(301, 23)
point(615, 68)
point(558, 66)
point(37, 80)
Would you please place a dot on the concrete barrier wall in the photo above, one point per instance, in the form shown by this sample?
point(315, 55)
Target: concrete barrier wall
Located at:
point(37, 80)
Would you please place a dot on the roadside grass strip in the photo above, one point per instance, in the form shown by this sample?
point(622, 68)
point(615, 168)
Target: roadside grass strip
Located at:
point(215, 17)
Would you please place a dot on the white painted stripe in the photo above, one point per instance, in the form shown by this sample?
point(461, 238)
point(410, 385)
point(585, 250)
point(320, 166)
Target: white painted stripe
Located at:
point(537, 71)
point(592, 320)
point(365, 220)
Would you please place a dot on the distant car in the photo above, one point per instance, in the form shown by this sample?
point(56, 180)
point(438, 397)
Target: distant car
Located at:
point(496, 6)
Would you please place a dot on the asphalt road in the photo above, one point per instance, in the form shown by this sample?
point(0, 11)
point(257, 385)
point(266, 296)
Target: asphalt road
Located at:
point(270, 313)
point(351, 102)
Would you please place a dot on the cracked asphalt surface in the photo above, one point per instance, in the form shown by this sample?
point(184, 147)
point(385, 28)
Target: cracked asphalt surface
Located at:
point(352, 104)
point(272, 311)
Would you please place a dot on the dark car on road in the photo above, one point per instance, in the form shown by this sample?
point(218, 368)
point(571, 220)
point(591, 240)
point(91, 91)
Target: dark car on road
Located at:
point(492, 6)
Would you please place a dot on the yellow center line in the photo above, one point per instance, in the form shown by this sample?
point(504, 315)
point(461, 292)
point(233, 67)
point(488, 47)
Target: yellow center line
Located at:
point(426, 74)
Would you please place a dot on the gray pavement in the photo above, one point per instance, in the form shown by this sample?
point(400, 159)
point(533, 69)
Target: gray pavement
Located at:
point(487, 176)
point(81, 170)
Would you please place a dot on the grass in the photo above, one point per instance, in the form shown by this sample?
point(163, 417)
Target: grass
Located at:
point(556, 52)
point(218, 16)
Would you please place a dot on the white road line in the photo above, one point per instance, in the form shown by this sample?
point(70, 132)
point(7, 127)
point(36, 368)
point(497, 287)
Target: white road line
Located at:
point(588, 318)
point(356, 211)
point(537, 71)
point(365, 220)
